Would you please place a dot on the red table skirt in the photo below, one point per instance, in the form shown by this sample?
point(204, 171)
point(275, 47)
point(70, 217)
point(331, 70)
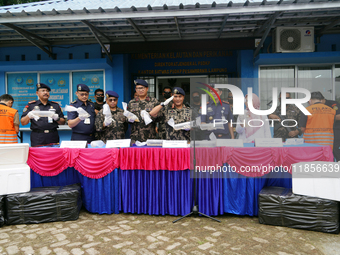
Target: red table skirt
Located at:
point(92, 163)
point(97, 163)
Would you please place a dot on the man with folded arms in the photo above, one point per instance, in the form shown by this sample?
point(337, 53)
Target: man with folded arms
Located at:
point(112, 126)
point(44, 129)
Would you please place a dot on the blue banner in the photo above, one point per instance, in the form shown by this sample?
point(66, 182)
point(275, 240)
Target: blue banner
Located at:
point(21, 86)
point(60, 85)
point(93, 79)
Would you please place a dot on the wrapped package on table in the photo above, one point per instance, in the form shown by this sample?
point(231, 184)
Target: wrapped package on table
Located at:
point(46, 204)
point(2, 211)
point(280, 207)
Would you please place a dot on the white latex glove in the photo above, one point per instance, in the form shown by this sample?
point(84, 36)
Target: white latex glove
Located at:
point(55, 117)
point(31, 115)
point(129, 115)
point(82, 116)
point(108, 120)
point(166, 102)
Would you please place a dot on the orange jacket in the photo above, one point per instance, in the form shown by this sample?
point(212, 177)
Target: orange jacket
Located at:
point(319, 127)
point(7, 130)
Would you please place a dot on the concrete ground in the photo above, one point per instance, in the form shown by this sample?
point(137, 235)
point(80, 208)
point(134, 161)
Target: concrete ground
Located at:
point(144, 234)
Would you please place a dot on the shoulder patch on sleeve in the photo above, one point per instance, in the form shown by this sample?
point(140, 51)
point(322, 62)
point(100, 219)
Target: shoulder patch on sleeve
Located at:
point(25, 109)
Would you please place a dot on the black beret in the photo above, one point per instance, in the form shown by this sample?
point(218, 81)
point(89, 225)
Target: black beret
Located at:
point(43, 86)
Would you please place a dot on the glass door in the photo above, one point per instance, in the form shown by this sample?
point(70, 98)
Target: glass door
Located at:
point(316, 79)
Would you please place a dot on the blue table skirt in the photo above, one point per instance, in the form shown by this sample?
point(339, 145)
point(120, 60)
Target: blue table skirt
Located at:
point(241, 193)
point(165, 192)
point(98, 195)
point(168, 192)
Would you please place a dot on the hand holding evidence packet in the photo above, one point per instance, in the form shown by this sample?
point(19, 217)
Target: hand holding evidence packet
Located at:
point(146, 117)
point(181, 126)
point(80, 111)
point(108, 115)
point(43, 113)
point(209, 126)
point(129, 115)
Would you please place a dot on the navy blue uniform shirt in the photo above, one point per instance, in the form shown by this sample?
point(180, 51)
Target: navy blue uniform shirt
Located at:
point(83, 128)
point(42, 123)
point(218, 112)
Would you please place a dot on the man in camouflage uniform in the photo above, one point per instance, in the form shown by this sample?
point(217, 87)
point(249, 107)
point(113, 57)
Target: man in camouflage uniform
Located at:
point(140, 131)
point(161, 124)
point(178, 111)
point(292, 112)
point(111, 128)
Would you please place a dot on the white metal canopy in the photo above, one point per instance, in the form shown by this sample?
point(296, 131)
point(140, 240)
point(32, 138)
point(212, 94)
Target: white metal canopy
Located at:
point(62, 22)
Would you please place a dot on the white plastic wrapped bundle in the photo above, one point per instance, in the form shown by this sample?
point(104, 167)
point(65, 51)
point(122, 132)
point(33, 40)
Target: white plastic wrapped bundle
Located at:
point(146, 116)
point(98, 144)
point(106, 110)
point(43, 113)
point(181, 126)
point(80, 111)
point(131, 117)
point(108, 115)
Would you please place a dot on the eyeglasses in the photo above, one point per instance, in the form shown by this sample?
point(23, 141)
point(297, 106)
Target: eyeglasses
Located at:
point(112, 100)
point(140, 88)
point(83, 94)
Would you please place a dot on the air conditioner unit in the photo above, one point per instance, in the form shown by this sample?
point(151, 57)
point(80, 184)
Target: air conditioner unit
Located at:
point(293, 39)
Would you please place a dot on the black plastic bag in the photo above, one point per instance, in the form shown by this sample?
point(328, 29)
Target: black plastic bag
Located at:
point(280, 207)
point(2, 211)
point(46, 204)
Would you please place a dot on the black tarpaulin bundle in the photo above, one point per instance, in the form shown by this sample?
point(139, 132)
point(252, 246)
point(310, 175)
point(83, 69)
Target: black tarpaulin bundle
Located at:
point(280, 207)
point(44, 204)
point(2, 211)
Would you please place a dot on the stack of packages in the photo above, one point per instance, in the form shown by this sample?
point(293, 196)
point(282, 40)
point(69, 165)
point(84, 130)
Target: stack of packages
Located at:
point(280, 207)
point(19, 205)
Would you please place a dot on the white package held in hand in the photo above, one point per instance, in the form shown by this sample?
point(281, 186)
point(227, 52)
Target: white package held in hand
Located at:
point(43, 113)
point(181, 126)
point(146, 117)
point(106, 110)
point(107, 113)
point(129, 115)
point(79, 110)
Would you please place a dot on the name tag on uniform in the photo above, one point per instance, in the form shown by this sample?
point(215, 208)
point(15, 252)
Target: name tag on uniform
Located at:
point(87, 121)
point(50, 120)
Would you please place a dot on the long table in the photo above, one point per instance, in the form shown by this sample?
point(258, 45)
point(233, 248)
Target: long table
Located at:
point(158, 181)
